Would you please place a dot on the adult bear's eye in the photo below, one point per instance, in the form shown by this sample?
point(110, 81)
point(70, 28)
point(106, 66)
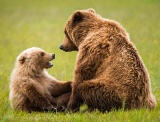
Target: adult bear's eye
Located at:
point(65, 31)
point(66, 34)
point(42, 53)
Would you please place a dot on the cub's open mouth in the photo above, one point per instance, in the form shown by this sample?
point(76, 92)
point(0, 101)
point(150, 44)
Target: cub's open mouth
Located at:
point(49, 64)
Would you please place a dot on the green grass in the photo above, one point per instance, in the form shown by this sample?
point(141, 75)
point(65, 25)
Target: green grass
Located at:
point(27, 23)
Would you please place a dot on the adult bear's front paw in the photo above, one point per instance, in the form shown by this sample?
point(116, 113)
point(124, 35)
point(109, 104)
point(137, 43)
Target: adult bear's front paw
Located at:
point(71, 108)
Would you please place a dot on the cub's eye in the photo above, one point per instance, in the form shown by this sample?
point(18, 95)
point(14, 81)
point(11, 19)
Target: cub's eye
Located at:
point(42, 53)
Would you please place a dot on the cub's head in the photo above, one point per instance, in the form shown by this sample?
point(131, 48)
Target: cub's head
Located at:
point(34, 59)
point(78, 26)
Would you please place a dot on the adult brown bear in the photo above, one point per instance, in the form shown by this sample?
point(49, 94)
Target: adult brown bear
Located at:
point(109, 72)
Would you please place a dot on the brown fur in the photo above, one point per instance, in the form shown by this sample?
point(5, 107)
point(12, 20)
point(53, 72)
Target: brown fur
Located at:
point(109, 72)
point(32, 88)
point(62, 101)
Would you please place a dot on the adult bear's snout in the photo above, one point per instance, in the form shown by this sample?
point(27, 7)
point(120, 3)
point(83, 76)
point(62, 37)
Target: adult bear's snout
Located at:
point(61, 47)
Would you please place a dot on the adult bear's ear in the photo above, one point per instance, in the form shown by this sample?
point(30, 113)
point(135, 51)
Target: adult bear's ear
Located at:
point(91, 10)
point(77, 18)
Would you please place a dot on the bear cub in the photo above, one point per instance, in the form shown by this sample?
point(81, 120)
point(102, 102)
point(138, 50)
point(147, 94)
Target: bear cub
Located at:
point(32, 88)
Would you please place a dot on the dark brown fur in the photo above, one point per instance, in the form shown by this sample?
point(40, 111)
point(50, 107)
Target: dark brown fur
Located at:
point(109, 72)
point(32, 88)
point(62, 101)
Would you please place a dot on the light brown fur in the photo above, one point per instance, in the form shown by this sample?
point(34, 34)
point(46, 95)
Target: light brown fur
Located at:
point(32, 88)
point(109, 72)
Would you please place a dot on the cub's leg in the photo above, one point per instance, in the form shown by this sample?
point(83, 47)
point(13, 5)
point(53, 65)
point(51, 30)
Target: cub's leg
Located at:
point(37, 96)
point(59, 88)
point(21, 102)
point(62, 101)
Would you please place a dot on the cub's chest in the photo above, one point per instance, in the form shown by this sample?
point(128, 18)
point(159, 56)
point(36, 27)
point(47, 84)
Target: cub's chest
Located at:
point(44, 83)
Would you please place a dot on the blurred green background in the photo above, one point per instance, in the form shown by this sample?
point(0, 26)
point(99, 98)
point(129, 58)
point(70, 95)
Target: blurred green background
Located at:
point(40, 23)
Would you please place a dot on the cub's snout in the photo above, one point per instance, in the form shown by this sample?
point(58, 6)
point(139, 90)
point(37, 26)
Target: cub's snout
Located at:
point(53, 56)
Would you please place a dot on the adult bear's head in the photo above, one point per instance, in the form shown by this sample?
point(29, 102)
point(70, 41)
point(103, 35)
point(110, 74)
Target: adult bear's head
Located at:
point(78, 26)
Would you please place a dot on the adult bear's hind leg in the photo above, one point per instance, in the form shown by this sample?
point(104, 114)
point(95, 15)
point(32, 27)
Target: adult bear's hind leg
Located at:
point(74, 102)
point(99, 94)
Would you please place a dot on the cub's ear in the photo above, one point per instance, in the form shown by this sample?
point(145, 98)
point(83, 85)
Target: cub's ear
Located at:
point(77, 17)
point(22, 59)
point(91, 10)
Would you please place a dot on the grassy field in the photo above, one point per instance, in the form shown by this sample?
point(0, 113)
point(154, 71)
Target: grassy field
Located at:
point(27, 23)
